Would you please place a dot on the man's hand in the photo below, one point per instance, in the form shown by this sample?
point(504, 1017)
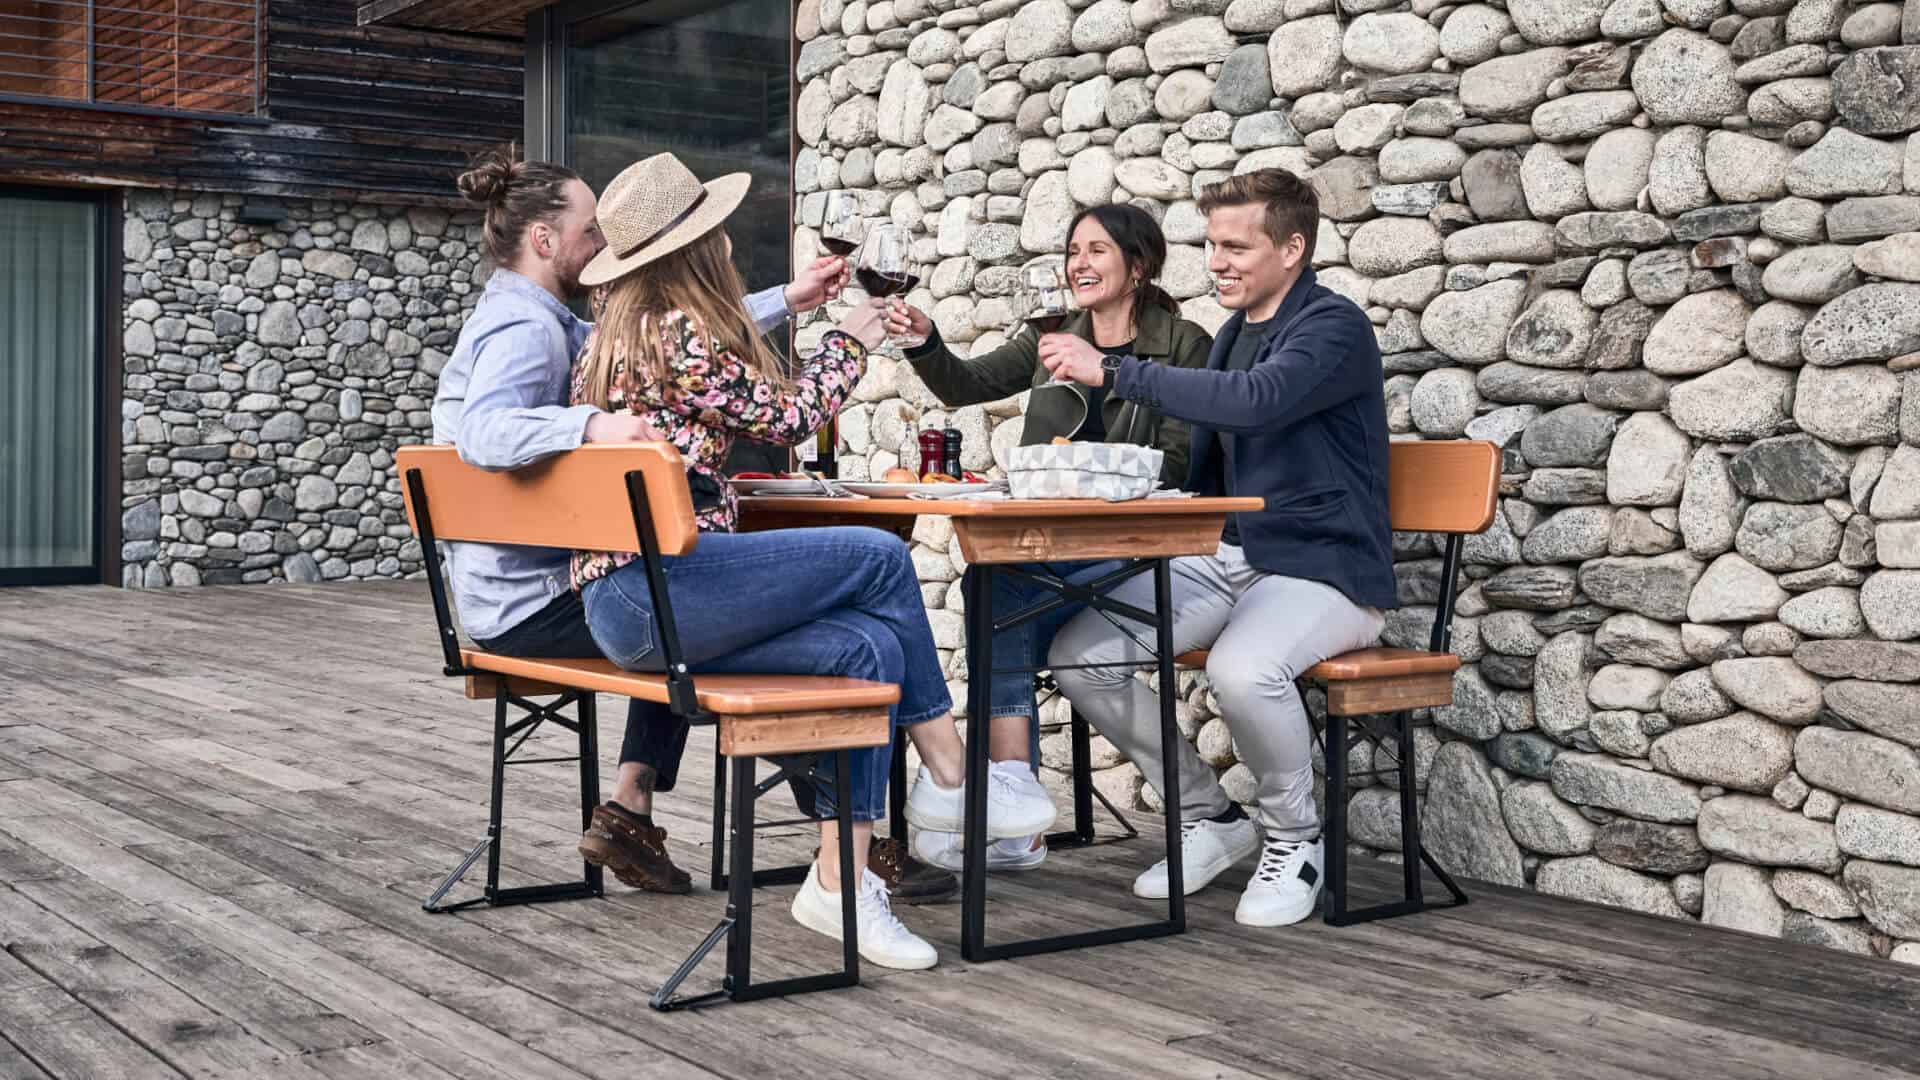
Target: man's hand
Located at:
point(621, 427)
point(818, 283)
point(1072, 359)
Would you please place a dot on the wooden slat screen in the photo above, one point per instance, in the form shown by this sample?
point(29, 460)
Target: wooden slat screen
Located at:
point(177, 55)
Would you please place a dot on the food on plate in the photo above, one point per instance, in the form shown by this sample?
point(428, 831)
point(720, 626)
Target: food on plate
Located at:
point(899, 476)
point(771, 476)
point(938, 478)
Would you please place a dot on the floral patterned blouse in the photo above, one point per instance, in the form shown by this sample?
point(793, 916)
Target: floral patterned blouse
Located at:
point(705, 401)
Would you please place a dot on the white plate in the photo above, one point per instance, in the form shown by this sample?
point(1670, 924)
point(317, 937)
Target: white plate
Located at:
point(781, 486)
point(877, 490)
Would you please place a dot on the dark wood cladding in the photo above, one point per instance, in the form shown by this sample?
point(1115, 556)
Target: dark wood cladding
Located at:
point(366, 112)
point(473, 16)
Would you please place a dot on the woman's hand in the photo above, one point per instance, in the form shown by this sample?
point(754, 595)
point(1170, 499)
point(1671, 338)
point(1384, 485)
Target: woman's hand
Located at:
point(1072, 359)
point(908, 322)
point(865, 323)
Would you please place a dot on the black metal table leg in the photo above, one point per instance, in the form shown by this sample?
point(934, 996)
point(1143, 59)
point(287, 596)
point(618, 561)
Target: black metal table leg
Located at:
point(973, 878)
point(973, 915)
point(1169, 739)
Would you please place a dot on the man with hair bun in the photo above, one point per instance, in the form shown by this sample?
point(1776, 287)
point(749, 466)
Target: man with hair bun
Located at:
point(502, 400)
point(1290, 408)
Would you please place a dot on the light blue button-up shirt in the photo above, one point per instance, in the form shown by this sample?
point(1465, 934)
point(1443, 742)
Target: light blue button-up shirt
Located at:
point(503, 401)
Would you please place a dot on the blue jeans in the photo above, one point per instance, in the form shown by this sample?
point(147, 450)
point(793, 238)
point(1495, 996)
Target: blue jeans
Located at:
point(1011, 693)
point(655, 737)
point(839, 601)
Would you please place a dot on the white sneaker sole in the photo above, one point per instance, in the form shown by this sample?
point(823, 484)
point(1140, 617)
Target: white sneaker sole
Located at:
point(1196, 878)
point(921, 819)
point(1285, 916)
point(995, 863)
point(830, 927)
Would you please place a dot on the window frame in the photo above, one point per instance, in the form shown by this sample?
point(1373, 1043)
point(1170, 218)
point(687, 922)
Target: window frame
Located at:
point(256, 116)
point(109, 389)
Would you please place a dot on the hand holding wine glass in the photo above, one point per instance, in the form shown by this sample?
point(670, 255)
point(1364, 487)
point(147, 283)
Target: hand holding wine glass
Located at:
point(906, 321)
point(866, 323)
point(885, 267)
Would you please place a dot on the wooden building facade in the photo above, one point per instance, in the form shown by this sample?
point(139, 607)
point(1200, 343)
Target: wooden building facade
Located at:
point(227, 272)
point(144, 144)
point(301, 101)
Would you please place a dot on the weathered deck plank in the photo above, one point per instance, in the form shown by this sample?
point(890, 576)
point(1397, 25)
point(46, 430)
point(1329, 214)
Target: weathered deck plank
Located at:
point(211, 860)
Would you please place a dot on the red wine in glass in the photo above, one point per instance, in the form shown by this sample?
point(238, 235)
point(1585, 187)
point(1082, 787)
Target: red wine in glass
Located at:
point(1047, 324)
point(881, 285)
point(837, 246)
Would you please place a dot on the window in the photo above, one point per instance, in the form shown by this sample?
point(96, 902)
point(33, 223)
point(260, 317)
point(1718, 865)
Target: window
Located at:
point(49, 387)
point(610, 83)
point(199, 56)
point(708, 82)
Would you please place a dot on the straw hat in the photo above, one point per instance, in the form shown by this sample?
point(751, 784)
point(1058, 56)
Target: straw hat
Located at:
point(656, 207)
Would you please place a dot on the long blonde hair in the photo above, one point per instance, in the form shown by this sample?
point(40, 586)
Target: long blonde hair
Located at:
point(699, 280)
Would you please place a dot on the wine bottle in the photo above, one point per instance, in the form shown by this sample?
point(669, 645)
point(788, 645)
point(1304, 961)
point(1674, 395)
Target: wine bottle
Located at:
point(824, 444)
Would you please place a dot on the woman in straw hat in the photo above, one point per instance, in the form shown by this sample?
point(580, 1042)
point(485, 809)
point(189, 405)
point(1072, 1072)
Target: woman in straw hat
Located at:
point(674, 346)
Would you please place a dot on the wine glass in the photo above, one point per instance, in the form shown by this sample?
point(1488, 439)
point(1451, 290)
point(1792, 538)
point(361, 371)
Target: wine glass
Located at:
point(885, 267)
point(841, 227)
point(1042, 299)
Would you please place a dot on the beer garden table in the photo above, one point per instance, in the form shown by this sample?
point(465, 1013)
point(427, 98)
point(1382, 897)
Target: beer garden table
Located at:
point(997, 536)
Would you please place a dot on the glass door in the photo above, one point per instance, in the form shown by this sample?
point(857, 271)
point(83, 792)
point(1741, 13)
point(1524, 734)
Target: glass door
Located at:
point(49, 388)
point(707, 80)
point(711, 81)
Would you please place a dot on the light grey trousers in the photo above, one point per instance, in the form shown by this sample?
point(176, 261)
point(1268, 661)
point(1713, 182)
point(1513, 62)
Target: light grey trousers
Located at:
point(1262, 630)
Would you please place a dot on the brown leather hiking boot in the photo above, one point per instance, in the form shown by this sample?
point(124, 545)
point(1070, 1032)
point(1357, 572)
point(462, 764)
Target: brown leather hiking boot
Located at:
point(908, 879)
point(634, 849)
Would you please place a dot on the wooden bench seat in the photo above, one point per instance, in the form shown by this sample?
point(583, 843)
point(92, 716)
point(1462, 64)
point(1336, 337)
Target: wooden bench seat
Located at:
point(1448, 489)
point(634, 497)
point(757, 714)
point(1380, 679)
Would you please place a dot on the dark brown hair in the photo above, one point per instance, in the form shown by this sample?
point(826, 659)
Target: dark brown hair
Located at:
point(516, 194)
point(1142, 246)
point(1292, 206)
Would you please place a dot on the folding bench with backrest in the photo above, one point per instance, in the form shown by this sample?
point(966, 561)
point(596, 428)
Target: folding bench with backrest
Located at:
point(1449, 488)
point(633, 498)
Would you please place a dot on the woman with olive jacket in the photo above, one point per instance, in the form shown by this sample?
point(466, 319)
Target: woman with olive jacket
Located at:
point(1114, 252)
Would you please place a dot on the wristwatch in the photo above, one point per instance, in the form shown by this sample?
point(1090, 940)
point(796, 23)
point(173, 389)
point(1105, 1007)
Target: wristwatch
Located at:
point(1109, 371)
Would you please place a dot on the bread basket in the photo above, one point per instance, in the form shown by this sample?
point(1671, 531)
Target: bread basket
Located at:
point(1115, 472)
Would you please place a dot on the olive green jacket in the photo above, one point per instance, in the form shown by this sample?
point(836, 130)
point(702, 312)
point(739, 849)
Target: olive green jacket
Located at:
point(1163, 338)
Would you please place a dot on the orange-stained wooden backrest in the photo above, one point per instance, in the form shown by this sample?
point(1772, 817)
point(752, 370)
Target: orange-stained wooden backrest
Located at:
point(1445, 486)
point(573, 500)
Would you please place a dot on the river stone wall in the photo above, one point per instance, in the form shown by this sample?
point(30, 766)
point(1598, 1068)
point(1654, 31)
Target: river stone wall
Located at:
point(270, 371)
point(1666, 254)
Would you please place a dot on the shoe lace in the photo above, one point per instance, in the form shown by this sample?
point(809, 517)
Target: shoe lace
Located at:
point(875, 906)
point(1276, 858)
point(1000, 784)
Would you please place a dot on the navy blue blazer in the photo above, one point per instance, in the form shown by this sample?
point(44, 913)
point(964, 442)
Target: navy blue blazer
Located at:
point(1306, 430)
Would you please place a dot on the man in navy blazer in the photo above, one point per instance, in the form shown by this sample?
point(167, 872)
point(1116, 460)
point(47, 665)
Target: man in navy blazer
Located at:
point(1290, 409)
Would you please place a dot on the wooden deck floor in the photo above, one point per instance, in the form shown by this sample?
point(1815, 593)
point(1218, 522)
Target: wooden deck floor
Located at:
point(219, 809)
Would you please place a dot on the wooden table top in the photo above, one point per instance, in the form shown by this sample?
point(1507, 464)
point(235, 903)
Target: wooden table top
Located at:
point(995, 508)
point(1022, 530)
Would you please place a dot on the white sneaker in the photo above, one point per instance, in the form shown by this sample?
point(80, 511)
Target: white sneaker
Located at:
point(1207, 849)
point(1286, 887)
point(946, 851)
point(1013, 809)
point(884, 940)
